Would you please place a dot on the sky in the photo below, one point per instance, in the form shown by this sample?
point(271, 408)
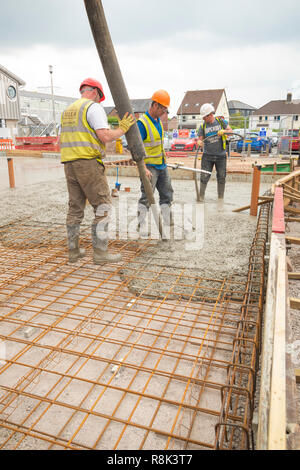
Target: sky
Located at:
point(250, 48)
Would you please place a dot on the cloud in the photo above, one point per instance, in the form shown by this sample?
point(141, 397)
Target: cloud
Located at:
point(198, 50)
point(65, 22)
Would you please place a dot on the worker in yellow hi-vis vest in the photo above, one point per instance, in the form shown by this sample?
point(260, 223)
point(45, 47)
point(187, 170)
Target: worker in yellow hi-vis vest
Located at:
point(84, 133)
point(152, 133)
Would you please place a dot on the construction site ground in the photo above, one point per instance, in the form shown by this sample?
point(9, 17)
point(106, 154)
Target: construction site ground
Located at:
point(124, 356)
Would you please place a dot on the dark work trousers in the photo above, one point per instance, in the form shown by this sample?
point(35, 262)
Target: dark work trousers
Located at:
point(208, 162)
point(162, 182)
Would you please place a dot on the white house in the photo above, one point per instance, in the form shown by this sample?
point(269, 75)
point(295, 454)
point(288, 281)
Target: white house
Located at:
point(189, 110)
point(277, 114)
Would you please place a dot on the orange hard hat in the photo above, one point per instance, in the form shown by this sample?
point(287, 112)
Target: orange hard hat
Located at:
point(162, 97)
point(95, 84)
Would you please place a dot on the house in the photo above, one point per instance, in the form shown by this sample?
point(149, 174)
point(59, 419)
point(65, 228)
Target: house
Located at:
point(139, 107)
point(173, 123)
point(244, 109)
point(9, 103)
point(189, 110)
point(277, 114)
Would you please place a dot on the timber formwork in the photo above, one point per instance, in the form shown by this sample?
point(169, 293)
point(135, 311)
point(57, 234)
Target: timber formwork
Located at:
point(88, 364)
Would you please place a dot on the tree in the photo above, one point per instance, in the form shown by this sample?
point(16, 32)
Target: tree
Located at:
point(237, 121)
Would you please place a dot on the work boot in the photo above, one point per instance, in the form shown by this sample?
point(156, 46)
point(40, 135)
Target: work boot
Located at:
point(143, 221)
point(100, 247)
point(202, 192)
point(73, 243)
point(167, 215)
point(221, 189)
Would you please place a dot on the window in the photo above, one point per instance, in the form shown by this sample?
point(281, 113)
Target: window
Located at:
point(11, 92)
point(260, 118)
point(266, 118)
point(193, 117)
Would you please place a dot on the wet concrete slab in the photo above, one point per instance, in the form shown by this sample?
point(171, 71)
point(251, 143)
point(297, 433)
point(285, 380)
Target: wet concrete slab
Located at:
point(30, 170)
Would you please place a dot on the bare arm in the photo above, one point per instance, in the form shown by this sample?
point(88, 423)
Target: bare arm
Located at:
point(108, 135)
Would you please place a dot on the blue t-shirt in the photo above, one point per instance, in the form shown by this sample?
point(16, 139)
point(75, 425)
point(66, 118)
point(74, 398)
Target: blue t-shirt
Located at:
point(143, 133)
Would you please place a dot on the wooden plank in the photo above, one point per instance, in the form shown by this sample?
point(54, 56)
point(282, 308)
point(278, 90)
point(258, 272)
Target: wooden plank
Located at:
point(291, 189)
point(277, 244)
point(255, 190)
point(291, 197)
point(277, 417)
point(293, 275)
point(278, 225)
point(288, 178)
point(292, 219)
point(266, 198)
point(293, 240)
point(297, 375)
point(244, 208)
point(295, 303)
point(292, 210)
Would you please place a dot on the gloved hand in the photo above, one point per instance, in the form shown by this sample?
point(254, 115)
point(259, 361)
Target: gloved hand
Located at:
point(126, 123)
point(221, 132)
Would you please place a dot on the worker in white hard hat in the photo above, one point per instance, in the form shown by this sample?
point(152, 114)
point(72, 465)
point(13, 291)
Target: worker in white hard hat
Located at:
point(214, 131)
point(84, 133)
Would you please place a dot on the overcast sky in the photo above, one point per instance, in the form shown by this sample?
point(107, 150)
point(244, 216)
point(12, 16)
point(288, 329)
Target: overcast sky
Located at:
point(252, 49)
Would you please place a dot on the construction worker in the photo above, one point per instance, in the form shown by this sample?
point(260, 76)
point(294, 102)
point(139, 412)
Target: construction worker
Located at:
point(152, 133)
point(214, 153)
point(84, 133)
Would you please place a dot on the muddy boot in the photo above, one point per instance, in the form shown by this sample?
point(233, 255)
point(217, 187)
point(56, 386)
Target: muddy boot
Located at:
point(100, 247)
point(167, 215)
point(202, 192)
point(221, 189)
point(143, 221)
point(73, 243)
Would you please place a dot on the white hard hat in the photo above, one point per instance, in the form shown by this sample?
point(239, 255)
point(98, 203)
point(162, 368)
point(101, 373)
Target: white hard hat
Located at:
point(206, 109)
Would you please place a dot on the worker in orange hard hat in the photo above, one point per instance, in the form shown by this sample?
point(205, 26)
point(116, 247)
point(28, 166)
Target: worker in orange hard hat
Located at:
point(84, 133)
point(152, 133)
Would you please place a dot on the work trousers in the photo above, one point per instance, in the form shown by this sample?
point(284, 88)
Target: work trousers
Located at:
point(162, 182)
point(208, 162)
point(86, 180)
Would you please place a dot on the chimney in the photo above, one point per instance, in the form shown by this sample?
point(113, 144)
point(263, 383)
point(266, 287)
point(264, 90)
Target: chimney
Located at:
point(289, 98)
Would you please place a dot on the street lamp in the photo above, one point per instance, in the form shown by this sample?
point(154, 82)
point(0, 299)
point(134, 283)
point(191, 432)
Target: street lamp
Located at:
point(53, 106)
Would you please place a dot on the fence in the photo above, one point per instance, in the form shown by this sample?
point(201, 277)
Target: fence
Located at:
point(47, 144)
point(6, 144)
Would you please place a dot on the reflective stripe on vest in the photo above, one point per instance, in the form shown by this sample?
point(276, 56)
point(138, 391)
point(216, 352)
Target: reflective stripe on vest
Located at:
point(77, 139)
point(153, 143)
point(223, 137)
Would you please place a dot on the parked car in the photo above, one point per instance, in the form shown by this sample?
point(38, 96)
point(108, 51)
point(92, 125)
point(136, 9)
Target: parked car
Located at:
point(257, 143)
point(184, 144)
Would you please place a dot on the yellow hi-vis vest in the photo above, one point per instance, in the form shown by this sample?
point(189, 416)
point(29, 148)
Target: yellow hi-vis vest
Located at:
point(153, 143)
point(77, 139)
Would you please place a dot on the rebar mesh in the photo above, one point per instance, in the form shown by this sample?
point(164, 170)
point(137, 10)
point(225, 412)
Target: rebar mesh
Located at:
point(90, 365)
